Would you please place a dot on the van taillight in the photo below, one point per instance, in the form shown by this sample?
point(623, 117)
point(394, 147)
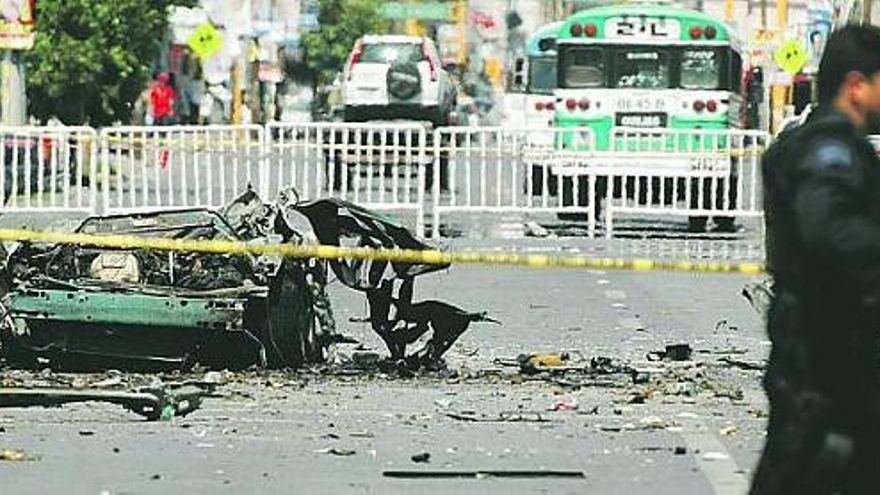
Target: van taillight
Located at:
point(432, 64)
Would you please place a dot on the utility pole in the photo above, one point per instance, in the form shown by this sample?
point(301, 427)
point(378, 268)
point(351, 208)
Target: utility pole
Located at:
point(763, 5)
point(461, 16)
point(13, 101)
point(16, 37)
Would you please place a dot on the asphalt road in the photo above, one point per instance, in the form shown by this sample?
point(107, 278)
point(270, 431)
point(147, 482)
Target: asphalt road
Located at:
point(692, 427)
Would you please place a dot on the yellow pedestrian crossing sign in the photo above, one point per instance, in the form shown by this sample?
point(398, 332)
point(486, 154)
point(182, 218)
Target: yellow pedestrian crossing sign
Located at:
point(791, 56)
point(205, 40)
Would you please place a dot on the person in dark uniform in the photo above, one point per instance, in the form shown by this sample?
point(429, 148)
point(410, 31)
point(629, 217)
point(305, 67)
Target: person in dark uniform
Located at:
point(822, 208)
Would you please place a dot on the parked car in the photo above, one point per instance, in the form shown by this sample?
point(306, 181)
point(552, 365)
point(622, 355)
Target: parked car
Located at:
point(397, 77)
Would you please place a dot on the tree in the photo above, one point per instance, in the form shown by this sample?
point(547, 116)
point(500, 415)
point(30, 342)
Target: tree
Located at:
point(92, 58)
point(341, 23)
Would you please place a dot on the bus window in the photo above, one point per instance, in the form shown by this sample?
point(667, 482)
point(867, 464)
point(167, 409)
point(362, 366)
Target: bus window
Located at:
point(700, 68)
point(583, 68)
point(641, 68)
point(542, 75)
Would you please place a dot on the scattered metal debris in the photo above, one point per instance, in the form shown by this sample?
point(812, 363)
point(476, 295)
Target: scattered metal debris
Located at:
point(758, 294)
point(153, 404)
point(394, 316)
point(336, 452)
point(745, 365)
point(674, 352)
point(504, 417)
point(483, 474)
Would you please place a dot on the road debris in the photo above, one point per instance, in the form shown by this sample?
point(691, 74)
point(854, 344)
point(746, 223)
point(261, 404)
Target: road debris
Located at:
point(336, 452)
point(152, 404)
point(759, 293)
point(421, 458)
point(741, 364)
point(483, 474)
point(729, 430)
point(503, 417)
point(533, 363)
point(15, 455)
point(389, 286)
point(674, 352)
point(564, 405)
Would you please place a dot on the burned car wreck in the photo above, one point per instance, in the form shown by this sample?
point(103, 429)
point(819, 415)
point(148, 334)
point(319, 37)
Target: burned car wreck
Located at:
point(83, 307)
point(75, 307)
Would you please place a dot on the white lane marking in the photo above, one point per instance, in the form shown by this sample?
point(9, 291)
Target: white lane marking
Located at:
point(615, 295)
point(630, 324)
point(718, 466)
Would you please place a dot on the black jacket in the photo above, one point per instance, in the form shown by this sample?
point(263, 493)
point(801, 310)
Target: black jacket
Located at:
point(822, 211)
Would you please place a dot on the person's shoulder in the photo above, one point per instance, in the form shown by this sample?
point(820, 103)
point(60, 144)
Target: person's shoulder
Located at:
point(831, 151)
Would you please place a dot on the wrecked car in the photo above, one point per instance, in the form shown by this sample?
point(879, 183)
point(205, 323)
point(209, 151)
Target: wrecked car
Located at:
point(74, 307)
point(78, 307)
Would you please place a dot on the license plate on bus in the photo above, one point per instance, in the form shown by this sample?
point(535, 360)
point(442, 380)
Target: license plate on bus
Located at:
point(641, 119)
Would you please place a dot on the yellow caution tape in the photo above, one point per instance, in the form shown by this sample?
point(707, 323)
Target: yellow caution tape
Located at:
point(433, 257)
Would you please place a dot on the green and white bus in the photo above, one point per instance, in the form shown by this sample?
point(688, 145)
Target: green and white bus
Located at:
point(532, 103)
point(647, 65)
point(660, 70)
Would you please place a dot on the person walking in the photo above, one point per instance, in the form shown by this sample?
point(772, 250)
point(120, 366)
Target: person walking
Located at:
point(162, 98)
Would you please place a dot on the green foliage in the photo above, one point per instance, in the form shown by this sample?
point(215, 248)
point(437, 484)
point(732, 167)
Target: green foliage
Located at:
point(342, 22)
point(92, 58)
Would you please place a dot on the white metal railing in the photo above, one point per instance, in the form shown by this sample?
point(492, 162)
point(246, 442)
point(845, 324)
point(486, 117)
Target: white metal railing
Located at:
point(464, 171)
point(499, 169)
point(383, 166)
point(178, 166)
point(48, 169)
point(696, 173)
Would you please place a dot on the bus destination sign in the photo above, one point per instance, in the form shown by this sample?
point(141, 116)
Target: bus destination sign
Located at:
point(642, 28)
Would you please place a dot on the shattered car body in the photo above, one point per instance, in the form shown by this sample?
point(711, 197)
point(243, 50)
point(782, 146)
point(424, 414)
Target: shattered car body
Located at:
point(75, 307)
point(389, 286)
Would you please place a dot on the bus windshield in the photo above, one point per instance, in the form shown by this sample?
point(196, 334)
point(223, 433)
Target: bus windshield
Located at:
point(647, 67)
point(542, 75)
point(583, 68)
point(641, 68)
point(700, 68)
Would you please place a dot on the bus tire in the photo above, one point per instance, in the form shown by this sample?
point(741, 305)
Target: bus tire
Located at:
point(582, 199)
point(727, 223)
point(697, 225)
